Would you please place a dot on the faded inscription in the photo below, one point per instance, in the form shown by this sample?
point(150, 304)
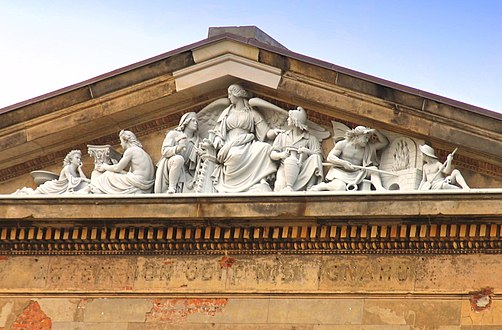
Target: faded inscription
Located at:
point(361, 273)
point(88, 273)
point(216, 273)
point(223, 270)
point(367, 272)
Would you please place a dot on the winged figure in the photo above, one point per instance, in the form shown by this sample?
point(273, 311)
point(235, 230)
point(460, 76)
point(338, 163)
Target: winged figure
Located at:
point(237, 133)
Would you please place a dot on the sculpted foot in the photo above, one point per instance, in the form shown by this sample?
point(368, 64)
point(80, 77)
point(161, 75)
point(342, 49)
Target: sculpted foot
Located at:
point(171, 190)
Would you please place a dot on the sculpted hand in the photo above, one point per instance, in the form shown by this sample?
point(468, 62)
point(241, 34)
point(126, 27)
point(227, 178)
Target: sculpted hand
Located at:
point(347, 165)
point(190, 185)
point(182, 145)
point(100, 168)
point(218, 142)
point(303, 150)
point(273, 132)
point(200, 151)
point(277, 131)
point(283, 155)
point(205, 144)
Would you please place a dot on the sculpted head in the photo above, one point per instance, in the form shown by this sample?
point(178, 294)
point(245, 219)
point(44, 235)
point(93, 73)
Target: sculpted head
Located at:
point(189, 119)
point(237, 91)
point(298, 118)
point(127, 139)
point(428, 152)
point(73, 156)
point(359, 135)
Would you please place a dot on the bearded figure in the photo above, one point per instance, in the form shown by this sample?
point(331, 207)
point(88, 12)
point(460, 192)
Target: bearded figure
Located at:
point(354, 159)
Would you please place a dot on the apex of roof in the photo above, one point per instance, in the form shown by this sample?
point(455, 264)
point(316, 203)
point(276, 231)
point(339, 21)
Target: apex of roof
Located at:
point(249, 32)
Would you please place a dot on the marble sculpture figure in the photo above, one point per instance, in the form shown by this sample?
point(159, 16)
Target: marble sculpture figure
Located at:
point(299, 155)
point(354, 159)
point(176, 170)
point(437, 175)
point(243, 156)
point(242, 143)
point(238, 134)
point(71, 179)
point(114, 180)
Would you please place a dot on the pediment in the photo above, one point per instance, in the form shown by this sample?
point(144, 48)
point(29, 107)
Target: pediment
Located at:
point(149, 97)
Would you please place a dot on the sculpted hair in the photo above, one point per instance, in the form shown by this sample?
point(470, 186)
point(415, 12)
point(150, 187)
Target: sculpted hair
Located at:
point(238, 91)
point(70, 155)
point(354, 135)
point(130, 138)
point(185, 119)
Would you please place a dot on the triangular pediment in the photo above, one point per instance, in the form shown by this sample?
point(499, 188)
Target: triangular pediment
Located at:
point(150, 96)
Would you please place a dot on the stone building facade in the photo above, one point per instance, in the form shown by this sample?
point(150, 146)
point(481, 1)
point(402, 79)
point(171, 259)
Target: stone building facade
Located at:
point(394, 259)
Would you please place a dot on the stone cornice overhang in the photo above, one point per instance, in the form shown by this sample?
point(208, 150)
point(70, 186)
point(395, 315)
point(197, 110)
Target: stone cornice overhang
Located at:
point(389, 223)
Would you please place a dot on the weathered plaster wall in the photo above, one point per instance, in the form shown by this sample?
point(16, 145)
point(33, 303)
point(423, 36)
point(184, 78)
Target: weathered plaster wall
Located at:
point(245, 313)
point(247, 292)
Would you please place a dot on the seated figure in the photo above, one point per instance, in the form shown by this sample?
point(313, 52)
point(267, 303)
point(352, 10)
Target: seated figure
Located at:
point(353, 159)
point(71, 179)
point(299, 154)
point(114, 180)
point(176, 170)
point(243, 156)
point(438, 176)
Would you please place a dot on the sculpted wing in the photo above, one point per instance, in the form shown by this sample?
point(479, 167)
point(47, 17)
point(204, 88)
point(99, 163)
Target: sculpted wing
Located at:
point(317, 130)
point(339, 131)
point(276, 117)
point(208, 116)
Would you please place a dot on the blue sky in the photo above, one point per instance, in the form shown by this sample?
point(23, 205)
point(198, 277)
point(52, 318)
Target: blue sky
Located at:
point(450, 48)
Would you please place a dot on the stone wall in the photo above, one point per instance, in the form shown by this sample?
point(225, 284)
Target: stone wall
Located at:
point(248, 292)
point(243, 274)
point(246, 313)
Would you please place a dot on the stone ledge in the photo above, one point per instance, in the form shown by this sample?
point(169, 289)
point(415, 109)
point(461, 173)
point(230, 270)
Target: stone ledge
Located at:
point(294, 207)
point(298, 223)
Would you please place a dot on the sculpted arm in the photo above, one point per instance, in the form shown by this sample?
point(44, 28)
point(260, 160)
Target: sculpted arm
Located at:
point(65, 173)
point(424, 179)
point(335, 154)
point(314, 147)
point(262, 130)
point(382, 140)
point(120, 166)
point(447, 169)
point(278, 151)
point(80, 171)
point(170, 146)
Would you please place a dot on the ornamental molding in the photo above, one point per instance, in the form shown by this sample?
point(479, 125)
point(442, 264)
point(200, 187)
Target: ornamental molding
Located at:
point(159, 238)
point(227, 65)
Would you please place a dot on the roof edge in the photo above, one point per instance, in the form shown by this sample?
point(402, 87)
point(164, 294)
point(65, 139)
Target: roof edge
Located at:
point(279, 50)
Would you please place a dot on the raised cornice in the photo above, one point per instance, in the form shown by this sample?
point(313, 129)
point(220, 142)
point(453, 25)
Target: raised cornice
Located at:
point(291, 224)
point(227, 65)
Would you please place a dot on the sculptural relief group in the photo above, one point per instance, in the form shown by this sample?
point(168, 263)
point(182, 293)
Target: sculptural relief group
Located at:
point(246, 144)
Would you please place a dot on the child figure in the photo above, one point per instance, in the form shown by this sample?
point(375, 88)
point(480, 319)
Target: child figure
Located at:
point(439, 176)
point(71, 179)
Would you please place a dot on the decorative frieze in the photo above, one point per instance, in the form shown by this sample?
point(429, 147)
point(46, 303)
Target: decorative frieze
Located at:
point(398, 238)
